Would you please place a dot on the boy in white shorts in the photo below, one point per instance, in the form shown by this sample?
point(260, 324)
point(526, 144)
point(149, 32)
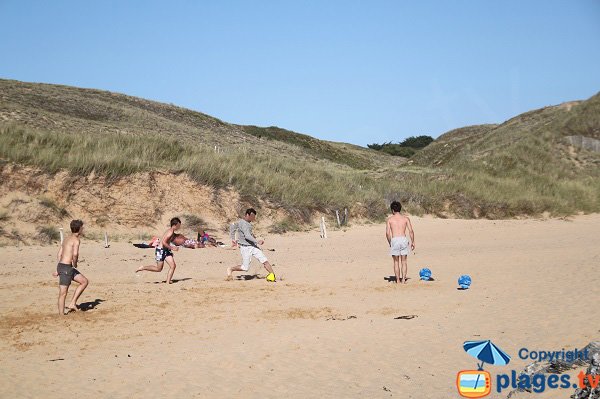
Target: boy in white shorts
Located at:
point(248, 246)
point(395, 232)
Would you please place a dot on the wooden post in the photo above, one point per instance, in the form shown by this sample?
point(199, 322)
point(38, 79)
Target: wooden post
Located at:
point(106, 240)
point(323, 227)
point(337, 216)
point(345, 216)
point(62, 237)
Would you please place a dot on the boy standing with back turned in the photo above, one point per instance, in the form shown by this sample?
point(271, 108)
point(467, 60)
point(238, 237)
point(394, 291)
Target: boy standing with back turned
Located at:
point(395, 232)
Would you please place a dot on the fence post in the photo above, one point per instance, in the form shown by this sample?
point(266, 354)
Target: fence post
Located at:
point(323, 228)
point(337, 216)
point(106, 240)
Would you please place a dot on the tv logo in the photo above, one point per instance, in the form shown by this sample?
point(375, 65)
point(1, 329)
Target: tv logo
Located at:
point(473, 383)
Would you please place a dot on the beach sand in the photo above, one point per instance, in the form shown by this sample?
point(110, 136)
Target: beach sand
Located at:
point(328, 329)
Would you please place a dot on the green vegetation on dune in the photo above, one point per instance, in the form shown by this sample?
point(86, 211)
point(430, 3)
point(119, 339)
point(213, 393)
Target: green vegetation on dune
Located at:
point(319, 148)
point(406, 148)
point(290, 183)
point(295, 185)
point(520, 167)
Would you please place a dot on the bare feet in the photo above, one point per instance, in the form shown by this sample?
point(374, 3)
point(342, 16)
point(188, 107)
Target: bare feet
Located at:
point(69, 309)
point(229, 274)
point(139, 269)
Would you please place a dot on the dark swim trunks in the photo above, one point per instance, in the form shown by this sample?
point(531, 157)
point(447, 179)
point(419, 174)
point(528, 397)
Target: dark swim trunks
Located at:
point(66, 274)
point(160, 254)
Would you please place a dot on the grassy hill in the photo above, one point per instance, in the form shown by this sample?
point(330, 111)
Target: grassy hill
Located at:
point(523, 166)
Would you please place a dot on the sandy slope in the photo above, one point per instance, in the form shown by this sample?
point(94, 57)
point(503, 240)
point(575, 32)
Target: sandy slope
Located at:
point(327, 330)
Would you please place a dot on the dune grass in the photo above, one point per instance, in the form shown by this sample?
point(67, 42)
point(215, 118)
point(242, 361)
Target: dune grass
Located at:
point(523, 178)
point(48, 234)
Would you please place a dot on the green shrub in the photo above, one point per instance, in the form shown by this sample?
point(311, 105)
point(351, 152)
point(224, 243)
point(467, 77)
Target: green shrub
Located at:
point(50, 204)
point(194, 221)
point(285, 225)
point(48, 234)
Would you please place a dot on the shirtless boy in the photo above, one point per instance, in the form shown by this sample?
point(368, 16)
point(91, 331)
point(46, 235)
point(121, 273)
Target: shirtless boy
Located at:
point(66, 270)
point(164, 252)
point(395, 232)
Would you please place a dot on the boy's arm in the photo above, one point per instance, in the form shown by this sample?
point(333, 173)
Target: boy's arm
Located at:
point(388, 232)
point(412, 234)
point(75, 253)
point(232, 230)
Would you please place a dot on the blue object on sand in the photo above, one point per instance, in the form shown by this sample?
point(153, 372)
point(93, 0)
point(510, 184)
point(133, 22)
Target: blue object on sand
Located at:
point(464, 281)
point(425, 274)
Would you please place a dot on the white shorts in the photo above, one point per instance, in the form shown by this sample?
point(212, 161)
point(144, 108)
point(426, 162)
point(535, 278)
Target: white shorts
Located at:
point(248, 252)
point(399, 246)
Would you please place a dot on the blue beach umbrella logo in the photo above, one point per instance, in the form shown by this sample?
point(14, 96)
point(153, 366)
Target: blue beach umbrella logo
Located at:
point(468, 381)
point(487, 352)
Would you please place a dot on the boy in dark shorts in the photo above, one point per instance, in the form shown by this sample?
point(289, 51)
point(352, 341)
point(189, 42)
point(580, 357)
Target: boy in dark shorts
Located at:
point(66, 270)
point(164, 252)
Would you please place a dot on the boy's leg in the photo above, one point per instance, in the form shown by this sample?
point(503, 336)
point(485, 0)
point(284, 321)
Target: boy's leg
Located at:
point(260, 256)
point(396, 268)
point(245, 266)
point(267, 266)
point(62, 296)
point(230, 271)
point(404, 259)
point(152, 268)
point(171, 262)
point(83, 283)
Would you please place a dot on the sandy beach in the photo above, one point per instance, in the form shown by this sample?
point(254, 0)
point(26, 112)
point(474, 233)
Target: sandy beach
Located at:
point(328, 329)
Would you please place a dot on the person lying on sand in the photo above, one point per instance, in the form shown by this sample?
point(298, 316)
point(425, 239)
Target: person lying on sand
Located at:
point(205, 239)
point(248, 246)
point(395, 232)
point(66, 270)
point(183, 241)
point(164, 252)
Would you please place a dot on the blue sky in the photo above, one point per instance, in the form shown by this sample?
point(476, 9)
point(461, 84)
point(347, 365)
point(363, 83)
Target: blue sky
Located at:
point(353, 71)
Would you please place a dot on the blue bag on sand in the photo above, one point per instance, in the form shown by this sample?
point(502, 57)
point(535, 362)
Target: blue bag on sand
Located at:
point(464, 281)
point(425, 274)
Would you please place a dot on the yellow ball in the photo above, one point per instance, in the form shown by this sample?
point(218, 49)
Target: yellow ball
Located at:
point(271, 277)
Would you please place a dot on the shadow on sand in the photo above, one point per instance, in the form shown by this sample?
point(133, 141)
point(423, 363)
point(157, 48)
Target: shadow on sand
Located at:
point(85, 306)
point(247, 277)
point(392, 279)
point(175, 280)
